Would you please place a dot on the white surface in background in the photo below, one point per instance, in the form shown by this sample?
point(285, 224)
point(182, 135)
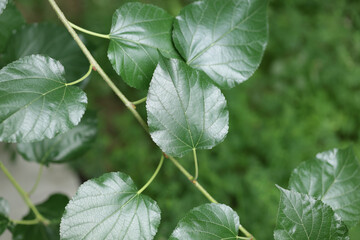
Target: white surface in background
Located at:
point(55, 179)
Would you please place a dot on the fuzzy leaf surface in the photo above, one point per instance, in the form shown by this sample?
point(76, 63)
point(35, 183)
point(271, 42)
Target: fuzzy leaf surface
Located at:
point(52, 209)
point(211, 221)
point(35, 102)
point(334, 178)
point(303, 217)
point(184, 109)
point(65, 147)
point(138, 31)
point(109, 208)
point(224, 38)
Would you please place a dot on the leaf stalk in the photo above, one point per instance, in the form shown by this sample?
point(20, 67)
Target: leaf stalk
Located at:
point(153, 176)
point(106, 36)
point(82, 78)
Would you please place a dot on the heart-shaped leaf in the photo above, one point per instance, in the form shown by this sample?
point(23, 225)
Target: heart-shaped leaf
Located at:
point(303, 217)
point(65, 147)
point(334, 178)
point(51, 40)
point(209, 221)
point(4, 213)
point(52, 209)
point(110, 207)
point(224, 38)
point(138, 31)
point(35, 102)
point(185, 111)
point(10, 19)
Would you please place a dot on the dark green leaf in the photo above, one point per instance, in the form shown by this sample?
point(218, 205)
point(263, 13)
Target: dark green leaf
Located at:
point(4, 212)
point(185, 110)
point(109, 208)
point(138, 31)
point(35, 102)
point(303, 217)
point(65, 147)
point(10, 19)
point(224, 38)
point(51, 209)
point(209, 221)
point(334, 178)
point(51, 40)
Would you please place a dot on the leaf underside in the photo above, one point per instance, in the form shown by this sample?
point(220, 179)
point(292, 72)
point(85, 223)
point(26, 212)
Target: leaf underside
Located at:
point(334, 178)
point(138, 31)
point(35, 103)
point(65, 147)
point(185, 111)
point(209, 221)
point(224, 38)
point(303, 217)
point(109, 208)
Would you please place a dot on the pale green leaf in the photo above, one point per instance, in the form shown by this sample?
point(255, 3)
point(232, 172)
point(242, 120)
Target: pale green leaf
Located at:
point(303, 217)
point(108, 208)
point(185, 111)
point(65, 147)
point(138, 31)
point(35, 102)
point(209, 221)
point(224, 38)
point(334, 178)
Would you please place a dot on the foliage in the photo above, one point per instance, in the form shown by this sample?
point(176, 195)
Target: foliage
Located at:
point(303, 99)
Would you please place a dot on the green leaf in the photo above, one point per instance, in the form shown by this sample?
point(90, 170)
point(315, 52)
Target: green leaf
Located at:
point(10, 19)
point(138, 31)
point(51, 209)
point(209, 221)
point(62, 47)
point(185, 110)
point(303, 217)
point(334, 178)
point(4, 212)
point(224, 38)
point(35, 102)
point(109, 207)
point(65, 147)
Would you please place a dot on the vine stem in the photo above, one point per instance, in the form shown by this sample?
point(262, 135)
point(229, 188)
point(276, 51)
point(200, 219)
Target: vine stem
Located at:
point(82, 78)
point(196, 165)
point(33, 189)
point(139, 101)
point(107, 36)
point(92, 61)
point(153, 176)
point(122, 97)
point(24, 195)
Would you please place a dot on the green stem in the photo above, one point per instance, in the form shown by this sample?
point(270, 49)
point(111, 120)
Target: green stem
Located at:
point(196, 165)
point(153, 176)
point(23, 194)
point(139, 101)
point(89, 32)
point(82, 78)
point(98, 68)
point(26, 222)
point(191, 179)
point(33, 189)
point(246, 233)
point(69, 26)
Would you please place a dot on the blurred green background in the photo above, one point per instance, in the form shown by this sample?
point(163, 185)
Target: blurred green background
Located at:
point(304, 99)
